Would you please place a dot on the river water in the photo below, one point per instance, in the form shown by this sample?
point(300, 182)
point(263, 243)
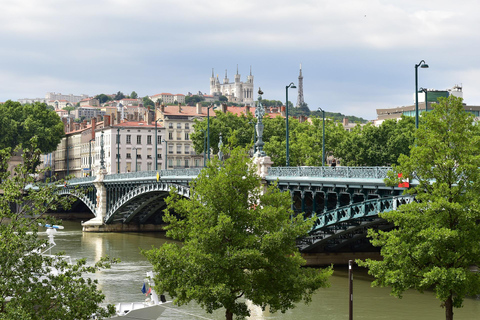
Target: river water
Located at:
point(123, 283)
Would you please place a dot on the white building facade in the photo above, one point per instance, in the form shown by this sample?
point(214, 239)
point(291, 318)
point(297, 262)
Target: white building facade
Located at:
point(237, 91)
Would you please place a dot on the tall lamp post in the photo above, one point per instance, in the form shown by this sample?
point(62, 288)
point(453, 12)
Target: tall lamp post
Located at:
point(323, 136)
point(291, 85)
point(426, 98)
point(254, 137)
point(208, 130)
point(156, 144)
point(90, 156)
point(166, 154)
point(118, 148)
point(421, 64)
point(136, 150)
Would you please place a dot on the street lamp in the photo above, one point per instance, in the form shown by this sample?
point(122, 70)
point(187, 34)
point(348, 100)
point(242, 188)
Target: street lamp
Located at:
point(426, 100)
point(135, 148)
point(421, 64)
point(156, 143)
point(291, 85)
point(118, 149)
point(323, 136)
point(90, 156)
point(254, 137)
point(208, 129)
point(166, 154)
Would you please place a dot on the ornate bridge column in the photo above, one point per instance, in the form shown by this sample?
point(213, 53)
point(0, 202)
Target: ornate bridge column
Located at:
point(101, 208)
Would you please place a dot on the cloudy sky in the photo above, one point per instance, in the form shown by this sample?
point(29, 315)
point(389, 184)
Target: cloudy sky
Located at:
point(357, 55)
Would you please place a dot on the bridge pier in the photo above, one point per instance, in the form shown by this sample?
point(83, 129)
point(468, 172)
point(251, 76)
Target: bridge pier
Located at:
point(101, 207)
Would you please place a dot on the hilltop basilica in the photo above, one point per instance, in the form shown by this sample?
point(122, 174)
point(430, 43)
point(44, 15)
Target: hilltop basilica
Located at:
point(237, 91)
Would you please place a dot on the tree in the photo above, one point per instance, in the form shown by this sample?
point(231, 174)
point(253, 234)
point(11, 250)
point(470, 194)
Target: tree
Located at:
point(148, 102)
point(102, 98)
point(119, 96)
point(436, 238)
point(377, 146)
point(223, 99)
point(237, 243)
point(20, 123)
point(133, 95)
point(192, 100)
point(27, 278)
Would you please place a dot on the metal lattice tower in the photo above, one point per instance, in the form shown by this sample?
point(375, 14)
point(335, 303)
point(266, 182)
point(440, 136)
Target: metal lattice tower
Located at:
point(300, 89)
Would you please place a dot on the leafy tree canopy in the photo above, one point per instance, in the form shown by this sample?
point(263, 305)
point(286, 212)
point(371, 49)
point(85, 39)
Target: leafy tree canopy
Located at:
point(237, 242)
point(26, 277)
point(133, 95)
point(192, 100)
point(20, 123)
point(119, 96)
point(102, 98)
point(148, 102)
point(437, 237)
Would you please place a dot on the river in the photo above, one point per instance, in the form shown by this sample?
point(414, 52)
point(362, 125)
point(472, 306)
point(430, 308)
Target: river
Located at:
point(123, 282)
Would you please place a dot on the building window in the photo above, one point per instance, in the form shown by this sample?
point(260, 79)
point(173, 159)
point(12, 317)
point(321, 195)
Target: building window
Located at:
point(149, 166)
point(187, 136)
point(149, 156)
point(129, 156)
point(170, 136)
point(179, 135)
point(149, 139)
point(187, 125)
point(159, 140)
point(179, 148)
point(159, 156)
point(170, 125)
point(186, 163)
point(139, 139)
point(179, 125)
point(170, 163)
point(187, 149)
point(178, 162)
point(170, 149)
point(129, 139)
point(197, 163)
point(139, 156)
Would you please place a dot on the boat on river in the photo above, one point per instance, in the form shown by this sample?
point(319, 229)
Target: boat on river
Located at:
point(150, 309)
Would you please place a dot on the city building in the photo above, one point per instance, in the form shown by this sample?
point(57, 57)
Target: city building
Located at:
point(236, 92)
point(431, 97)
point(87, 113)
point(168, 98)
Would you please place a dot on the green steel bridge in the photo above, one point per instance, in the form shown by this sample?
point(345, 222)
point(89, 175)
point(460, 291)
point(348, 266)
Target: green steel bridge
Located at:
point(345, 200)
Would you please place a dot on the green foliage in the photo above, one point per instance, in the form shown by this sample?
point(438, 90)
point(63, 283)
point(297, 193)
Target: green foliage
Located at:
point(19, 123)
point(192, 100)
point(133, 95)
point(377, 146)
point(337, 116)
point(436, 238)
point(237, 243)
point(148, 102)
point(27, 279)
point(119, 96)
point(102, 98)
point(223, 99)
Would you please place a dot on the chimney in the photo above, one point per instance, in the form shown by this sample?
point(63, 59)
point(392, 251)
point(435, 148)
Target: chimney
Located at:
point(345, 122)
point(94, 126)
point(162, 108)
point(135, 116)
point(180, 108)
point(199, 108)
point(106, 121)
point(118, 118)
point(282, 111)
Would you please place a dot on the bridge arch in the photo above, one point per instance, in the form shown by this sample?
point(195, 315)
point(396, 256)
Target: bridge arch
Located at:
point(142, 200)
point(341, 226)
point(82, 196)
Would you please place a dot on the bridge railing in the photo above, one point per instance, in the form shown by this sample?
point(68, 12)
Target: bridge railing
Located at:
point(330, 172)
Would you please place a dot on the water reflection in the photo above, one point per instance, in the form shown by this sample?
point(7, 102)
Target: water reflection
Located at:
point(123, 283)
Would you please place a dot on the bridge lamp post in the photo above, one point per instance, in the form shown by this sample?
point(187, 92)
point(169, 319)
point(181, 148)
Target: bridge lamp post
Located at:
point(90, 156)
point(118, 149)
point(423, 65)
point(291, 85)
point(426, 100)
point(208, 129)
point(323, 136)
point(156, 142)
point(166, 154)
point(254, 137)
point(135, 148)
